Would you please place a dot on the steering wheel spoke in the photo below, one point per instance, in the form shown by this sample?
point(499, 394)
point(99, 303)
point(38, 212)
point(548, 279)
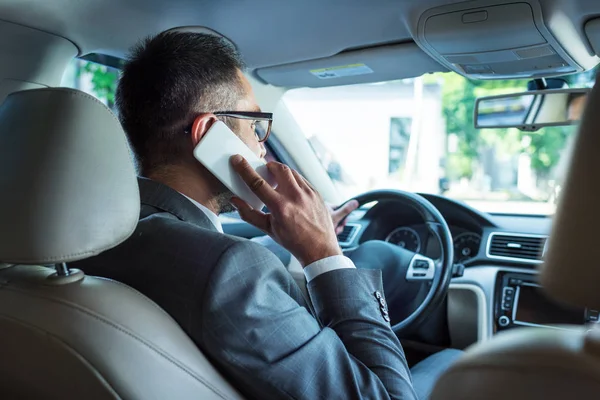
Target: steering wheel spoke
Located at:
point(421, 268)
point(405, 273)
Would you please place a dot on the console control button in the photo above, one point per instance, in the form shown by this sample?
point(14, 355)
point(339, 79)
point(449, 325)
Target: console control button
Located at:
point(503, 321)
point(507, 297)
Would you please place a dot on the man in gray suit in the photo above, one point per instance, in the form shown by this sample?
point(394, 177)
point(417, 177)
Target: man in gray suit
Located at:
point(234, 297)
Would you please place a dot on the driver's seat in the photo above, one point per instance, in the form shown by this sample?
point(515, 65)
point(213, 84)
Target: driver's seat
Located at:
point(69, 192)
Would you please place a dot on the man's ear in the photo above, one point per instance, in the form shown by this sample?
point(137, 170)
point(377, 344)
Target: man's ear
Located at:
point(201, 125)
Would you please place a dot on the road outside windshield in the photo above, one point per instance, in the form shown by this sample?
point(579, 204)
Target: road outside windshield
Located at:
point(418, 135)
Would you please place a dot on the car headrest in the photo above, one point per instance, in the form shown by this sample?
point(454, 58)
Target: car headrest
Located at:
point(571, 270)
point(68, 187)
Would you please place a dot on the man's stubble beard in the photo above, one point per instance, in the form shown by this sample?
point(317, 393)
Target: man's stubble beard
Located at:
point(223, 202)
point(221, 196)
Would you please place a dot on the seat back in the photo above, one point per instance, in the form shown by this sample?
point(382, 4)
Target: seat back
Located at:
point(525, 364)
point(69, 191)
point(550, 363)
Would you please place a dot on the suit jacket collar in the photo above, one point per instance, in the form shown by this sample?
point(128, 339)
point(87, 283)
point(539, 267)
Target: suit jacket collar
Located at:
point(164, 198)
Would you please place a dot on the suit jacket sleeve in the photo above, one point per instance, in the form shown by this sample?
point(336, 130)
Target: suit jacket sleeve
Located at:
point(256, 326)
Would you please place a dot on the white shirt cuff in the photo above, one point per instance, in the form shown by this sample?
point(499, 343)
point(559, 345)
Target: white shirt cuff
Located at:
point(332, 263)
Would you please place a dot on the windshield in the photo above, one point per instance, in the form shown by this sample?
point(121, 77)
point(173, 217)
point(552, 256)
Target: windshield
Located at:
point(418, 135)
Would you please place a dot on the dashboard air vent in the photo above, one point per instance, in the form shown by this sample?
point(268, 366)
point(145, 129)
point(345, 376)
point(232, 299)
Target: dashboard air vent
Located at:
point(516, 247)
point(348, 234)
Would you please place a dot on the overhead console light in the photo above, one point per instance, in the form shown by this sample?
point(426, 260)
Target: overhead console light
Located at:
point(494, 39)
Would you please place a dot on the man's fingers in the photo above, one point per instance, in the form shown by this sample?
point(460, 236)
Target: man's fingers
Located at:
point(342, 212)
point(282, 174)
point(255, 182)
point(254, 217)
point(302, 182)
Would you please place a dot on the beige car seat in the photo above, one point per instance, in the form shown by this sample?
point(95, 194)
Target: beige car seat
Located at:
point(69, 191)
point(546, 363)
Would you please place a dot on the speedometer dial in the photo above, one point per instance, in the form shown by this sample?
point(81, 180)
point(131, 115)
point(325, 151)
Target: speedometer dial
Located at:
point(466, 246)
point(406, 238)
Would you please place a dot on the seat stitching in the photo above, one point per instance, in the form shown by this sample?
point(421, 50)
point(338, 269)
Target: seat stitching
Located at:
point(125, 331)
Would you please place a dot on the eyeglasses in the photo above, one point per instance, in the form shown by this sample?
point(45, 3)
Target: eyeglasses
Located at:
point(262, 121)
point(261, 125)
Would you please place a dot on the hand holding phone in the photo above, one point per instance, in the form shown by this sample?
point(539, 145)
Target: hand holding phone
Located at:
point(298, 218)
point(214, 151)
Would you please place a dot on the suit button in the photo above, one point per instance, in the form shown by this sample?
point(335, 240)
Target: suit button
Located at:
point(378, 295)
point(382, 302)
point(387, 318)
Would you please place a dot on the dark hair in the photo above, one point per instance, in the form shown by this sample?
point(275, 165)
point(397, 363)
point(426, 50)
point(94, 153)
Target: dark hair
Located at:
point(166, 82)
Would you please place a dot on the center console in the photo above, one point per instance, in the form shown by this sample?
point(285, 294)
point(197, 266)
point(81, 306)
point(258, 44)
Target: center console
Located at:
point(519, 301)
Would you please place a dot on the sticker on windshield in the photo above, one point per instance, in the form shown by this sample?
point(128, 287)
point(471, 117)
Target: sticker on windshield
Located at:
point(341, 71)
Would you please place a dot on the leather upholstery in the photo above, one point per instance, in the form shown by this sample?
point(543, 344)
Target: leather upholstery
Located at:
point(525, 364)
point(570, 271)
point(62, 154)
point(94, 338)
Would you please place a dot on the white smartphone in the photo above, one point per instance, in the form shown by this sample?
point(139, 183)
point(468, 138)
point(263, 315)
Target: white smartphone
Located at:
point(214, 151)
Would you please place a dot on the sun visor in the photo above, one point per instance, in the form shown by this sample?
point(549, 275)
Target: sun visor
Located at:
point(377, 64)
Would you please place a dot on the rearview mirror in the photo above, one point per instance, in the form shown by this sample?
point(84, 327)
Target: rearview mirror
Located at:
point(530, 111)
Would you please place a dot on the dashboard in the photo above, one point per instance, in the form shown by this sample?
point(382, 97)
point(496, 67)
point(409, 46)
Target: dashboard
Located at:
point(418, 239)
point(478, 238)
point(401, 225)
point(498, 289)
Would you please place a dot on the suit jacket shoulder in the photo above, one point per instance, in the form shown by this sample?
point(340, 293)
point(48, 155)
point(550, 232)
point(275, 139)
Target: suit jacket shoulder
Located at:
point(244, 310)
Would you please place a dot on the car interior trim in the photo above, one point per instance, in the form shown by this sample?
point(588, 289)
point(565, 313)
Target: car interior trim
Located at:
point(482, 312)
point(521, 260)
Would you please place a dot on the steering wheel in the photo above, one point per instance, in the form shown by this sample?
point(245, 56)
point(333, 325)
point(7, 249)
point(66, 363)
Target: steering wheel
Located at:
point(404, 273)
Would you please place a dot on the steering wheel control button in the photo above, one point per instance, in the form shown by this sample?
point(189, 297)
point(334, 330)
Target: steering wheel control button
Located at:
point(420, 268)
point(503, 321)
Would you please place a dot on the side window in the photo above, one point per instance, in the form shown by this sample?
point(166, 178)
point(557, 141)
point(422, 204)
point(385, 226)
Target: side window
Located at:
point(98, 80)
